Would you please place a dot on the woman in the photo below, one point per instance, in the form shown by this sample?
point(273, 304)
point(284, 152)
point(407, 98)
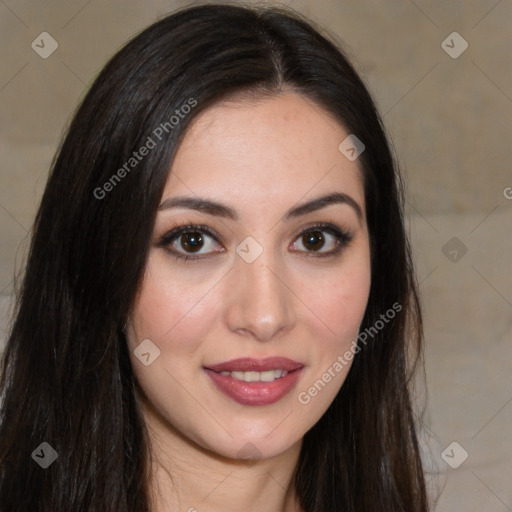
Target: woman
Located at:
point(219, 310)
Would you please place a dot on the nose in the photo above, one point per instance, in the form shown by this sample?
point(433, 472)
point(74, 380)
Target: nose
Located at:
point(260, 301)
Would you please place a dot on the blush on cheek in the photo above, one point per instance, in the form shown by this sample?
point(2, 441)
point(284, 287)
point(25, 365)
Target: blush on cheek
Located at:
point(175, 321)
point(340, 309)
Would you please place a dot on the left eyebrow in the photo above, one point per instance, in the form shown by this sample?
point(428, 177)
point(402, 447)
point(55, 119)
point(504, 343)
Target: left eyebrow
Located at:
point(221, 210)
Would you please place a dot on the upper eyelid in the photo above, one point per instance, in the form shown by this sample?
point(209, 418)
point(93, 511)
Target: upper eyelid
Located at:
point(184, 228)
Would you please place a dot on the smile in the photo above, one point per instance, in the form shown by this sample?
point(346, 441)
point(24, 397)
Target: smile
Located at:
point(268, 376)
point(251, 381)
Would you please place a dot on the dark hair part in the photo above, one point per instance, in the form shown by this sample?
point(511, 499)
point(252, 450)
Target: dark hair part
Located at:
point(66, 374)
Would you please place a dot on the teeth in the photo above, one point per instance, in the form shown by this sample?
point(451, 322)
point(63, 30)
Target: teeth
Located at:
point(268, 376)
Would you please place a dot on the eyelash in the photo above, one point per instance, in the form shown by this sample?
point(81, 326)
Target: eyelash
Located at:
point(342, 237)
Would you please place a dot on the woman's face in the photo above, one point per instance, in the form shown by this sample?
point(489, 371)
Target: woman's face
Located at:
point(271, 274)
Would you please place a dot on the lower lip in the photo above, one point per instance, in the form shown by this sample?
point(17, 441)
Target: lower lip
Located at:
point(255, 393)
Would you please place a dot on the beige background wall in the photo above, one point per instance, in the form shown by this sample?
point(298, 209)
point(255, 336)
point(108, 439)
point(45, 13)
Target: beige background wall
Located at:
point(450, 121)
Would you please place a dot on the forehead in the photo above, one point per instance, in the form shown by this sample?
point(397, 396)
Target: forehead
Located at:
point(272, 150)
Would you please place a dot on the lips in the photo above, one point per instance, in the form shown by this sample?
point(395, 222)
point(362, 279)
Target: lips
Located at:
point(249, 381)
point(248, 364)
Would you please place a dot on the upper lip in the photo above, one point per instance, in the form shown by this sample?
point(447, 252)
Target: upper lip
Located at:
point(248, 364)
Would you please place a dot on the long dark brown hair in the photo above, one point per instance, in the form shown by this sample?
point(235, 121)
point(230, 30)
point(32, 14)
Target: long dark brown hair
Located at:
point(66, 375)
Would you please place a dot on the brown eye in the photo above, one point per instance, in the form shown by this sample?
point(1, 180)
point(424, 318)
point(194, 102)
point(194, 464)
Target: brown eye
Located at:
point(322, 240)
point(194, 241)
point(314, 240)
point(191, 241)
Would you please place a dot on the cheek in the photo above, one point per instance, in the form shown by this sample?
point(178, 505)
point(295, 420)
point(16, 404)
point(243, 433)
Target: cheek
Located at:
point(336, 310)
point(173, 312)
point(335, 305)
point(344, 304)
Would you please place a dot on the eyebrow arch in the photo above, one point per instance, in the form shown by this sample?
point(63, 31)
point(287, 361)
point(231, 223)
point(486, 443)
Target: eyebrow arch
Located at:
point(220, 210)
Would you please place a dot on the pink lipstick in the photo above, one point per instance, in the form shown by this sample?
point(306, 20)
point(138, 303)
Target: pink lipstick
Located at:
point(251, 381)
